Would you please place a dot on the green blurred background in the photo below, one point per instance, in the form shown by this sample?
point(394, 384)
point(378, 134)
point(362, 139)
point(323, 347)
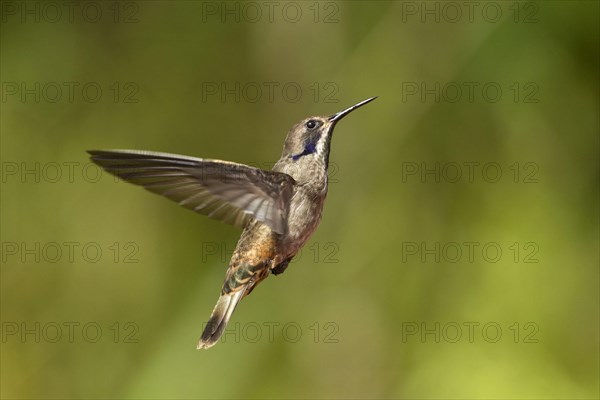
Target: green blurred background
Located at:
point(374, 306)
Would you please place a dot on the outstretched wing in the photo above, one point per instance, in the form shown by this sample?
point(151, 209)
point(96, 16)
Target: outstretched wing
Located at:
point(233, 193)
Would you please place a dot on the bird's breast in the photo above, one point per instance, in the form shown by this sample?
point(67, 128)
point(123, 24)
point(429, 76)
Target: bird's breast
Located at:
point(303, 218)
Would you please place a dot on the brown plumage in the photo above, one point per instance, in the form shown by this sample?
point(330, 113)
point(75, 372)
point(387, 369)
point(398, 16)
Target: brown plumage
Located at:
point(279, 209)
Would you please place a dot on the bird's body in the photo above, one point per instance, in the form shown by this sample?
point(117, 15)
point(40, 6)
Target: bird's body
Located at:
point(279, 210)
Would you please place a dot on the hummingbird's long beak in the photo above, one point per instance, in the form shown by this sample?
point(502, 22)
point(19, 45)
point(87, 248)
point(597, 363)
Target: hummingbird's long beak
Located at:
point(342, 114)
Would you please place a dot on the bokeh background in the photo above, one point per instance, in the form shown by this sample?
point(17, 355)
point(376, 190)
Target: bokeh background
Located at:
point(105, 287)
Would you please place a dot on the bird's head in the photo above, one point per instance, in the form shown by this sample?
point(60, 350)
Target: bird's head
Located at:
point(309, 140)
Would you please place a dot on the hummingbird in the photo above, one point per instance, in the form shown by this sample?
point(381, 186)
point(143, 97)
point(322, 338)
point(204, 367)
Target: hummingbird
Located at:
point(277, 209)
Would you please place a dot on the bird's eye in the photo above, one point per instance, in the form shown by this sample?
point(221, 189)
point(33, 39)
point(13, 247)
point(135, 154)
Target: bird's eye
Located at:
point(311, 124)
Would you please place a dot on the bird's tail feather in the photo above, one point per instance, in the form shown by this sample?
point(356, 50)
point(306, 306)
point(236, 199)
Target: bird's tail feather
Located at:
point(219, 318)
